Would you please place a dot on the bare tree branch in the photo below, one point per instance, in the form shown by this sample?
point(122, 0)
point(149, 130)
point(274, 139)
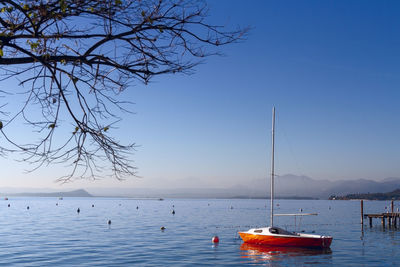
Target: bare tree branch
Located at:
point(74, 58)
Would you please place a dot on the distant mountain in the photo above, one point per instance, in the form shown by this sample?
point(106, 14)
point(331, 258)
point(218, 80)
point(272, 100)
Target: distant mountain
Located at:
point(292, 185)
point(74, 193)
point(363, 186)
point(286, 186)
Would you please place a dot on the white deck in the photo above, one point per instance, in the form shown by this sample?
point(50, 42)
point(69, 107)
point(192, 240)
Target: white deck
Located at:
point(276, 231)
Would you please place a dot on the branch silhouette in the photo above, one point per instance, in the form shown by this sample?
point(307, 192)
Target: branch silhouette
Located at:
point(73, 59)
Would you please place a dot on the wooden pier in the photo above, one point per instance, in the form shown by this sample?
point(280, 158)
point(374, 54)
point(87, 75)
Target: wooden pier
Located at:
point(392, 217)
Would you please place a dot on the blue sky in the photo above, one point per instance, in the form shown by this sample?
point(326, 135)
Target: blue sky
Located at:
point(331, 68)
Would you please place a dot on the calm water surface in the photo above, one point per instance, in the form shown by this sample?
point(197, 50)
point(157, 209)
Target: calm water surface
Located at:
point(51, 235)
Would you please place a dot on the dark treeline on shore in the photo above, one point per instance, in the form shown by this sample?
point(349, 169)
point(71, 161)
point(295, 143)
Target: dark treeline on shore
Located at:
point(395, 195)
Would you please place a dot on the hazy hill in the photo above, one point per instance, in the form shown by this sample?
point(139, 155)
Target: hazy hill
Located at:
point(286, 186)
point(74, 193)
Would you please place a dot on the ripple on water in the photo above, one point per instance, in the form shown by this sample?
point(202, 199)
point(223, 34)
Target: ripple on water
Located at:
point(50, 235)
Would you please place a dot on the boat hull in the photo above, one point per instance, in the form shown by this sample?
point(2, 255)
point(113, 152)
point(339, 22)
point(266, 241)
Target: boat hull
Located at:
point(287, 241)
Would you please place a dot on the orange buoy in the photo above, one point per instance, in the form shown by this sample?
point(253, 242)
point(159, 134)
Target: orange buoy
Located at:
point(215, 239)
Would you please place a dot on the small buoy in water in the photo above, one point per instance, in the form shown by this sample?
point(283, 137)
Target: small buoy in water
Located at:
point(78, 210)
point(329, 207)
point(8, 205)
point(92, 205)
point(137, 207)
point(215, 239)
point(173, 211)
point(162, 228)
point(109, 222)
point(27, 208)
point(56, 204)
point(173, 206)
point(301, 210)
point(231, 207)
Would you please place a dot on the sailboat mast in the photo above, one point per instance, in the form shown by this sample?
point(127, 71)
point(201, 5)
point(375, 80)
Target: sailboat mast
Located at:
point(272, 166)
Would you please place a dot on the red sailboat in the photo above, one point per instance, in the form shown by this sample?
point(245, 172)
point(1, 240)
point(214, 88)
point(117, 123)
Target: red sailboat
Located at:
point(275, 236)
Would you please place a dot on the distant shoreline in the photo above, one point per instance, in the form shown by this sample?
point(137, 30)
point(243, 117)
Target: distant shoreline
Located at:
point(151, 195)
point(51, 195)
point(393, 195)
point(288, 198)
point(74, 193)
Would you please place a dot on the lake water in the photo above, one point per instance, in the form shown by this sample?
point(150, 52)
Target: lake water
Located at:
point(47, 234)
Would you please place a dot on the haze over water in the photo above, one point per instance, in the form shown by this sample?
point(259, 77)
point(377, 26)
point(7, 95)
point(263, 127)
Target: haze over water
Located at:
point(51, 235)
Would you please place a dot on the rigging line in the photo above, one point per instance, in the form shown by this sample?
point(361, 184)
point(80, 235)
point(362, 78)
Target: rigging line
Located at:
point(298, 165)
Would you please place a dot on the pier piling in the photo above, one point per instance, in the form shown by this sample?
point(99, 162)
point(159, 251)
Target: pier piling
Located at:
point(362, 212)
point(392, 217)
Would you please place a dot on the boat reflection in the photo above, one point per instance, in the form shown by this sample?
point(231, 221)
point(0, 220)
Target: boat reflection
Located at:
point(261, 253)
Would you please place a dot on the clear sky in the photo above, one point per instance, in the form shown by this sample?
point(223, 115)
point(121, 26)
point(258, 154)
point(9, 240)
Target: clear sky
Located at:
point(331, 68)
